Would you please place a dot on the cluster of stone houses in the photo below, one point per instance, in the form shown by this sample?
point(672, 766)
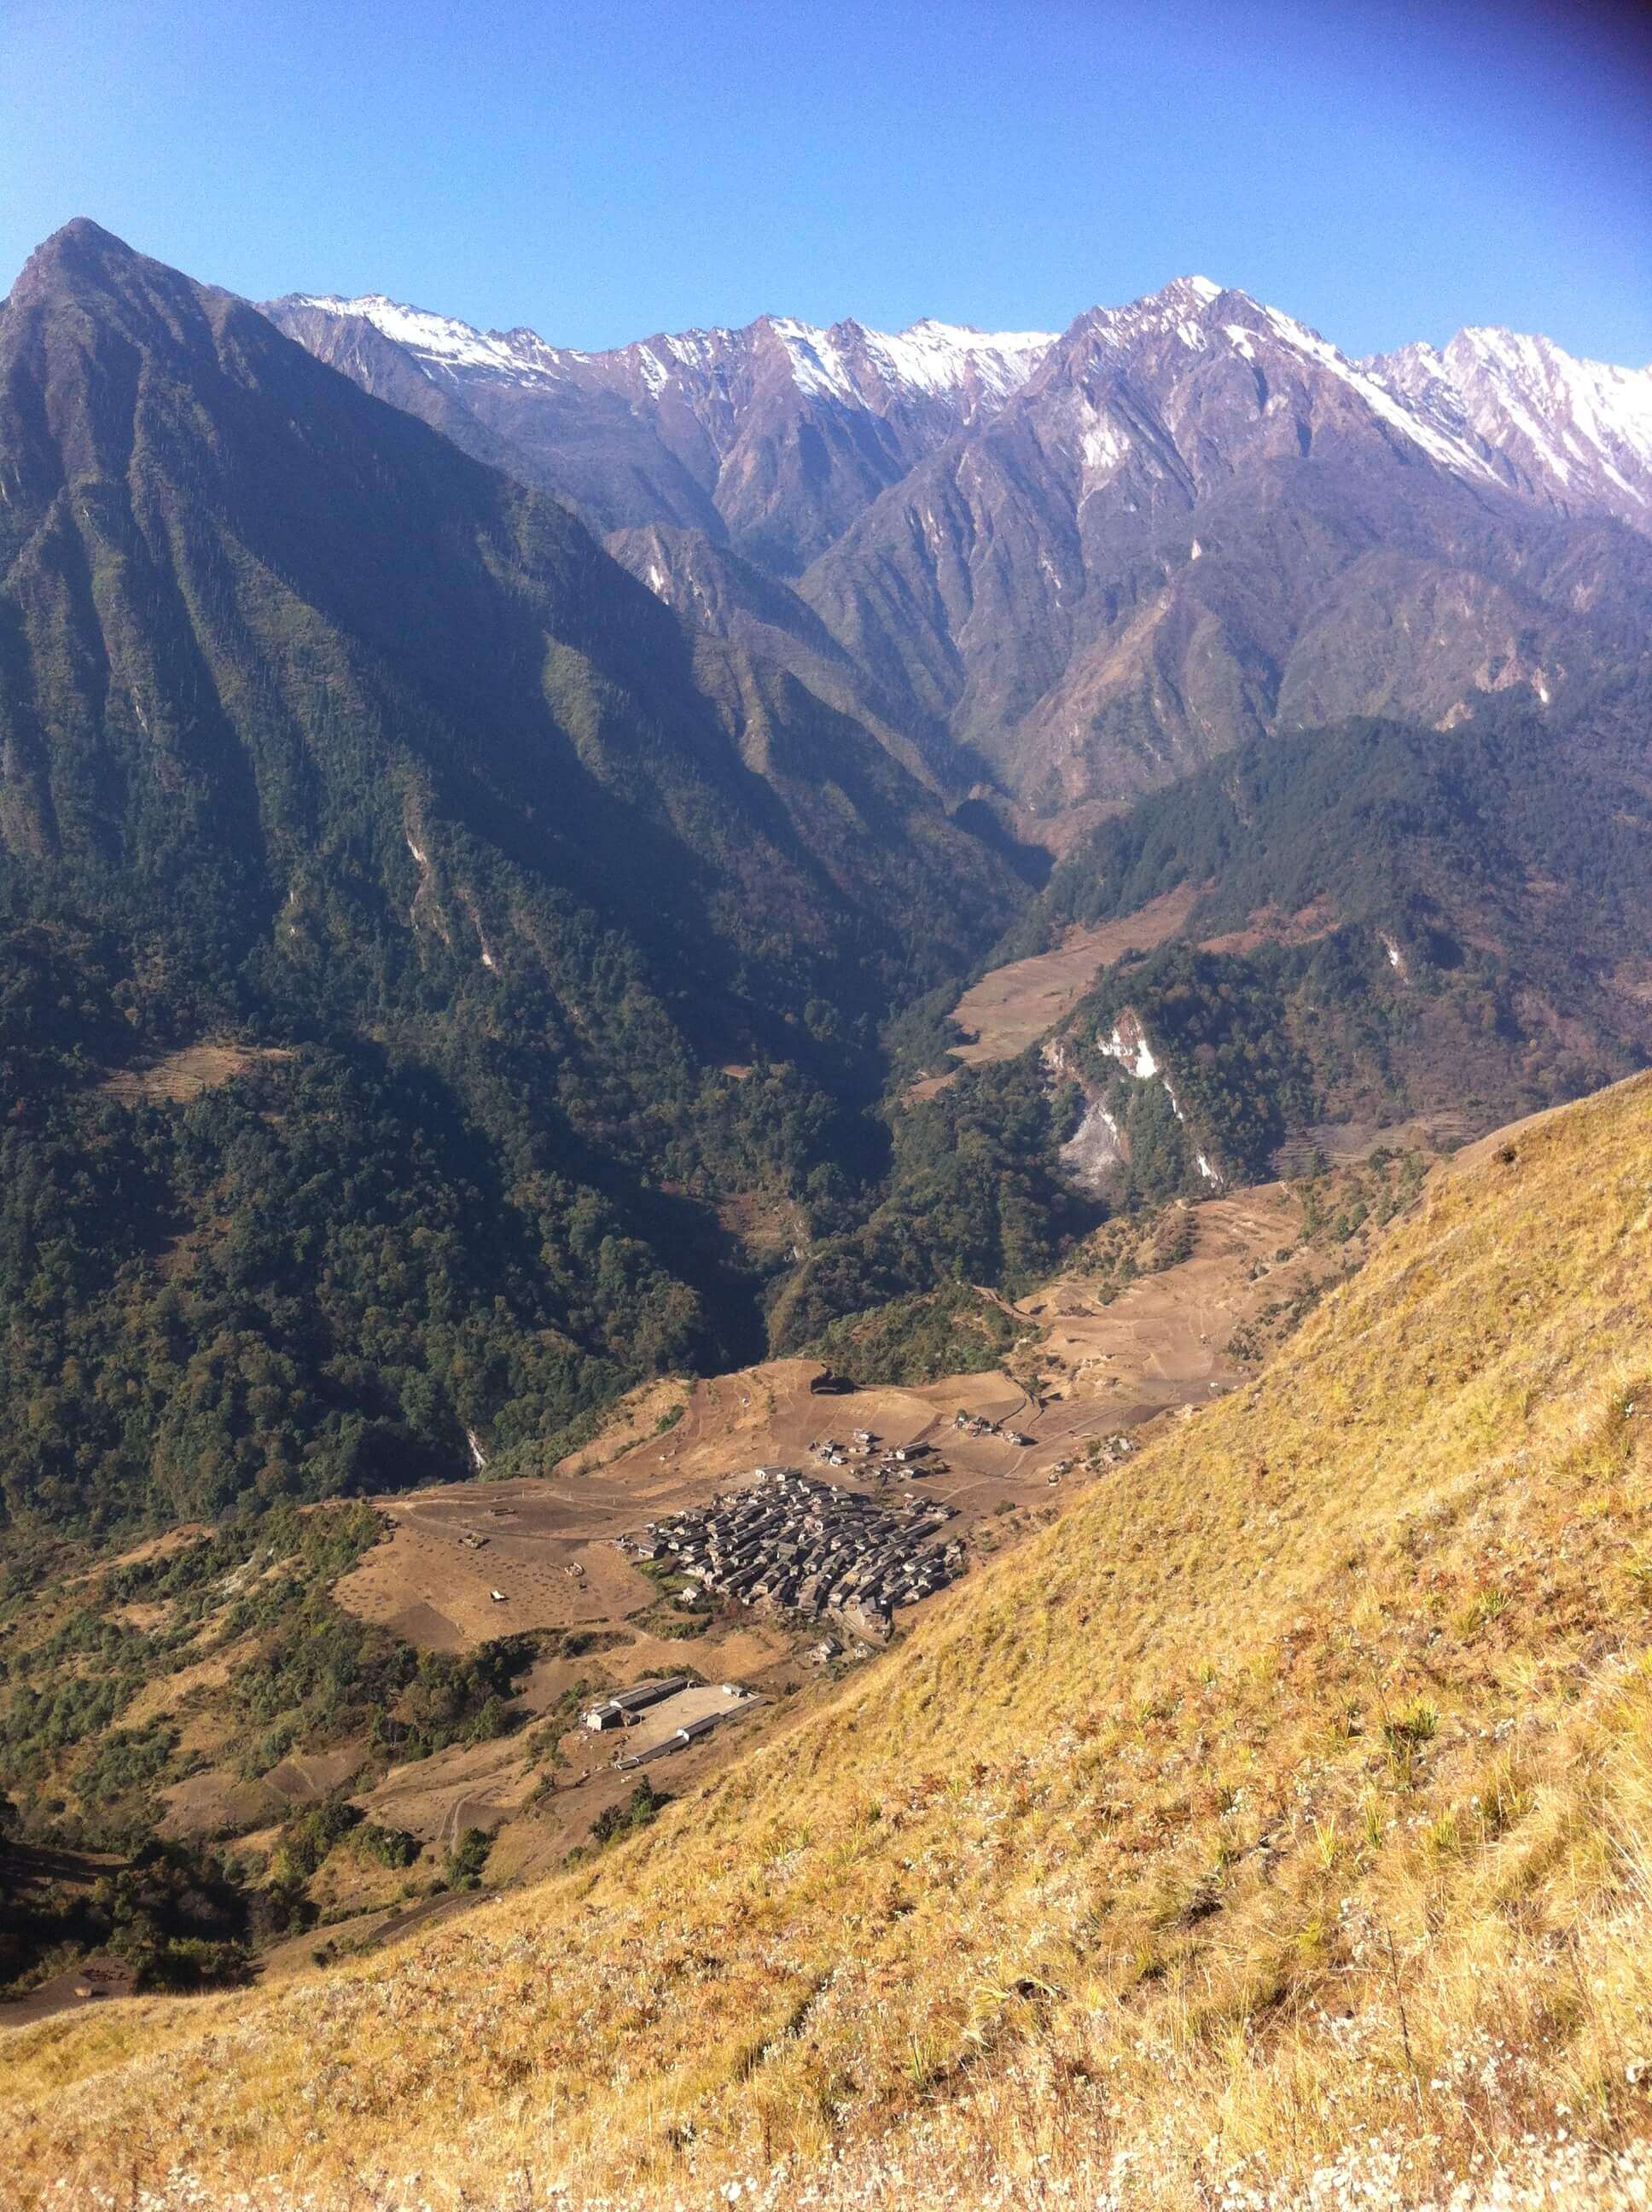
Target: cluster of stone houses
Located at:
point(812, 1547)
point(866, 1450)
point(977, 1424)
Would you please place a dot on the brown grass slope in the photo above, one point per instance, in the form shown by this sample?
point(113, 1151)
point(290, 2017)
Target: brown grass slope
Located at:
point(1275, 1828)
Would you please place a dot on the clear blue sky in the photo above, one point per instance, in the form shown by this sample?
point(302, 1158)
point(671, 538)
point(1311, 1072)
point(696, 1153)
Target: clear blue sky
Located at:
point(602, 169)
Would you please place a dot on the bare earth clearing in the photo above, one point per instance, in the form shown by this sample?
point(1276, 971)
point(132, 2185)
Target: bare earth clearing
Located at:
point(1014, 1005)
point(1165, 1341)
point(183, 1075)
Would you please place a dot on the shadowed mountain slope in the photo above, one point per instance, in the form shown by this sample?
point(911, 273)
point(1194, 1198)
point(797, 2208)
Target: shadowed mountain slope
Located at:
point(1278, 1823)
point(225, 568)
point(317, 735)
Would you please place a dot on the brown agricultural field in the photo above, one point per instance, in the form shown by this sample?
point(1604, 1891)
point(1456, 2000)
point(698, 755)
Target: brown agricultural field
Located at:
point(179, 1076)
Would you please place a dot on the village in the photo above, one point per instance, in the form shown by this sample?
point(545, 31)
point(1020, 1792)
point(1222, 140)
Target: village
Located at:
point(801, 1545)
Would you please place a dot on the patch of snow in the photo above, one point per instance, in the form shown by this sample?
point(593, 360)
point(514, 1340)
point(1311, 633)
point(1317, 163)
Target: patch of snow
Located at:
point(417, 855)
point(654, 371)
point(1137, 1058)
point(817, 366)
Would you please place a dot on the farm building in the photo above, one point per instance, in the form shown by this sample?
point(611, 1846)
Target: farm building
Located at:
point(623, 1708)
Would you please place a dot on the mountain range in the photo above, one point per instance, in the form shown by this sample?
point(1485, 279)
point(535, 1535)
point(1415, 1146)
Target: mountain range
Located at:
point(1067, 568)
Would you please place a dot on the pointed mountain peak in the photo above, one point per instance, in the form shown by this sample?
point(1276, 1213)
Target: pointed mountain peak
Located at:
point(84, 270)
point(1180, 309)
point(79, 250)
point(82, 240)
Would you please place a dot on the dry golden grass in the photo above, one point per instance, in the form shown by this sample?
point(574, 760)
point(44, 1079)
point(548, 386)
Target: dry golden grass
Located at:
point(1275, 1829)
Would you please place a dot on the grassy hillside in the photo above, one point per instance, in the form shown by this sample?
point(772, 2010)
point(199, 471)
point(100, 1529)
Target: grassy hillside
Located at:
point(1279, 1822)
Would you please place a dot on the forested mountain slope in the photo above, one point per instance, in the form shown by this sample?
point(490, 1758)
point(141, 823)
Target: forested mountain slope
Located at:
point(1381, 920)
point(322, 741)
point(1274, 1829)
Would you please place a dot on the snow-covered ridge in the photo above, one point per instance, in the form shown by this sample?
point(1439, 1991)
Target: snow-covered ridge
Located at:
point(441, 337)
point(1585, 426)
point(930, 357)
point(1494, 406)
point(1452, 452)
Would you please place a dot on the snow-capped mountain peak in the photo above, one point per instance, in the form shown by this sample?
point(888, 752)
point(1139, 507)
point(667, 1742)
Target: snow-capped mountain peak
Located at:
point(1197, 317)
point(1576, 433)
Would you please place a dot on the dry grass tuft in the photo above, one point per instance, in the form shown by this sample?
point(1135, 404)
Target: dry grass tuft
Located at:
point(1275, 1830)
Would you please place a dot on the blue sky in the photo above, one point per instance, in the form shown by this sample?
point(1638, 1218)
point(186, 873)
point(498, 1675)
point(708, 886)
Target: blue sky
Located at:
point(602, 169)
